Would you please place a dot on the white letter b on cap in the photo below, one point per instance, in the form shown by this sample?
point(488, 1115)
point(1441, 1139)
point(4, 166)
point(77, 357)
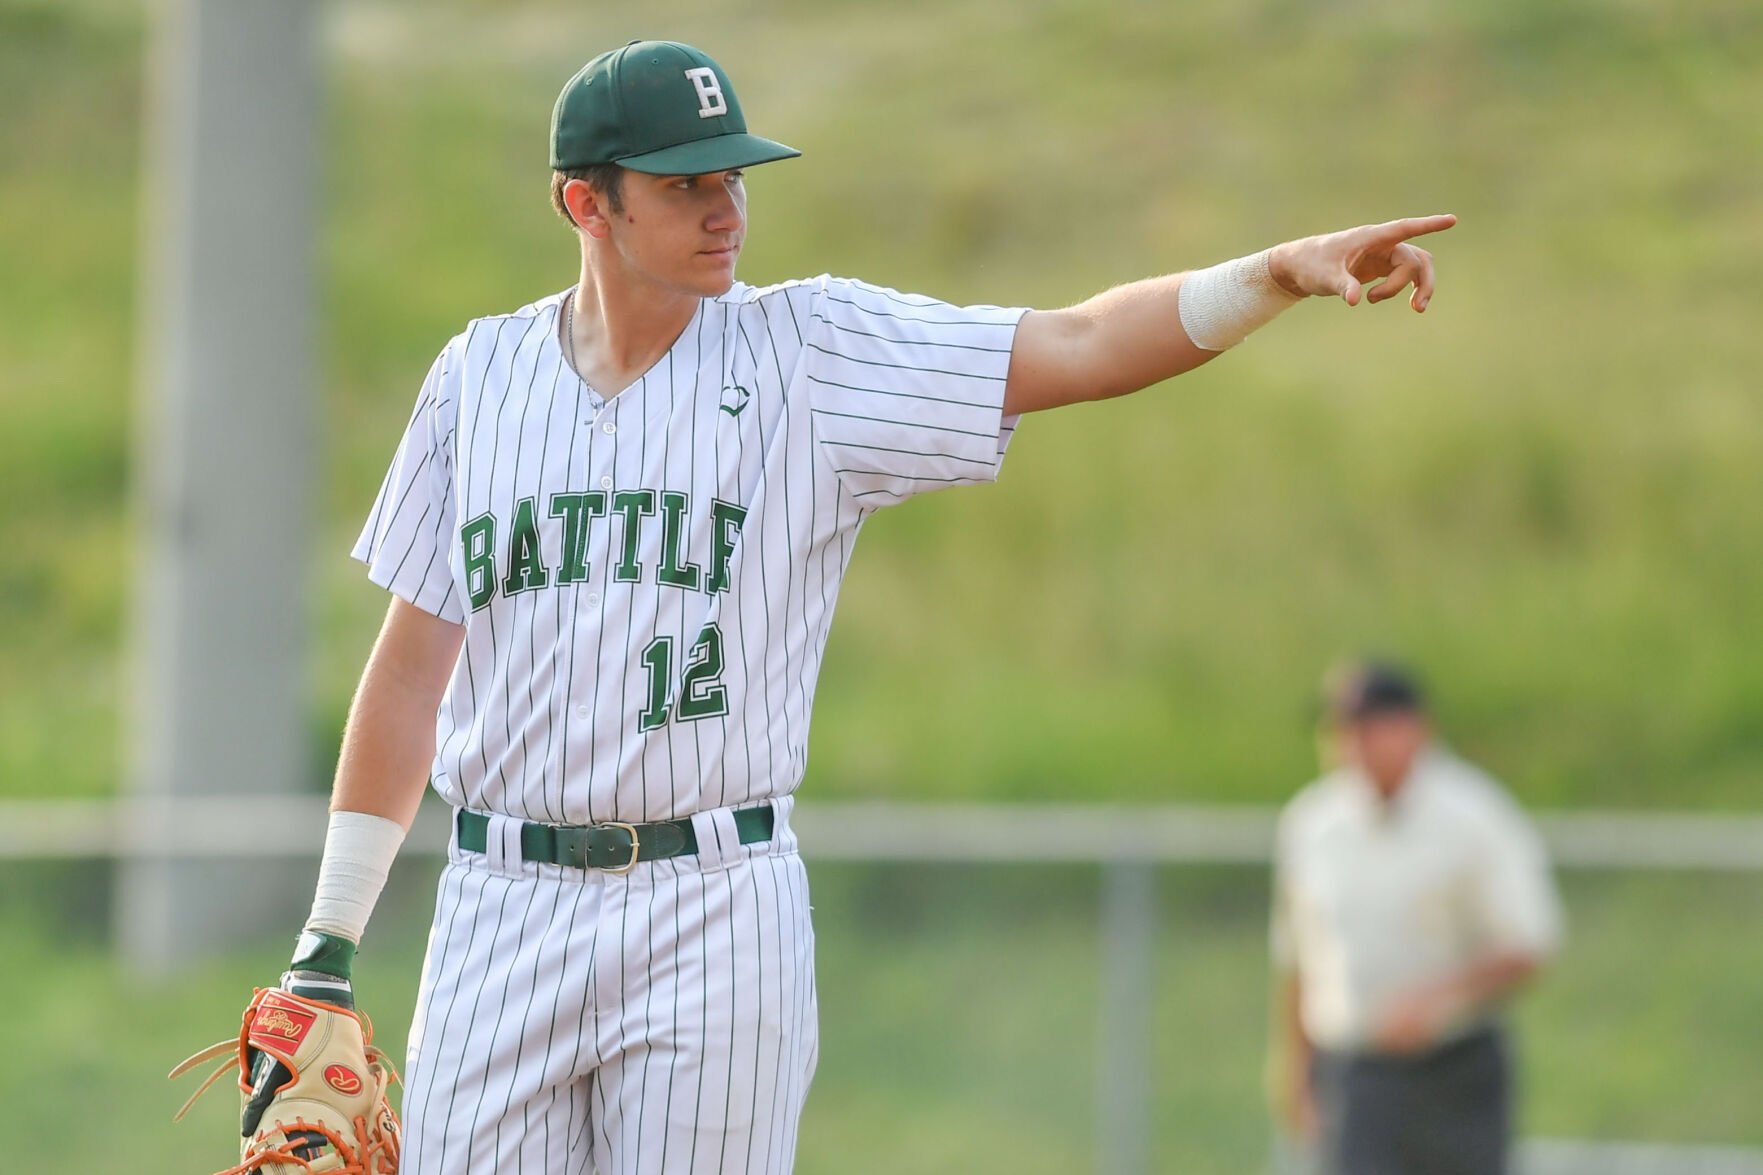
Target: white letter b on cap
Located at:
point(710, 100)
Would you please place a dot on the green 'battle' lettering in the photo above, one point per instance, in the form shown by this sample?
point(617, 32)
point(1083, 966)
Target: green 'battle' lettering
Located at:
point(523, 551)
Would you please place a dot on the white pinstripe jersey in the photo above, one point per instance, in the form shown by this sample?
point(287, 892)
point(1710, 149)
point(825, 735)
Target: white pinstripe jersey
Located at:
point(647, 582)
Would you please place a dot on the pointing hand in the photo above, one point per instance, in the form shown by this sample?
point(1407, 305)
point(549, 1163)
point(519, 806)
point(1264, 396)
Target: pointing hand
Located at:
point(1344, 263)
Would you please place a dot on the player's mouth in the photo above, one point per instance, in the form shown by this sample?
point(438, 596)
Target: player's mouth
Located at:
point(729, 250)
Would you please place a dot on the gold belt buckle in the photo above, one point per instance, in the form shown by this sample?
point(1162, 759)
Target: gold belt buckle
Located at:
point(636, 846)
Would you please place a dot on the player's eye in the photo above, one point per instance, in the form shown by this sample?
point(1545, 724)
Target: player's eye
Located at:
point(734, 177)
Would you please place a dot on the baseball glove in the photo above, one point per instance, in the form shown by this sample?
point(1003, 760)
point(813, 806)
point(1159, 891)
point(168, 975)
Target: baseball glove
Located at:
point(331, 1115)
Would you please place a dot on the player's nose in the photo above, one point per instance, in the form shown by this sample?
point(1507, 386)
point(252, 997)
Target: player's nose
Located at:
point(725, 215)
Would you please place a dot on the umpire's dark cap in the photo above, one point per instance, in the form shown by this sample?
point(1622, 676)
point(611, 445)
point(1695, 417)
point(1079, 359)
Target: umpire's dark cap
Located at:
point(1366, 689)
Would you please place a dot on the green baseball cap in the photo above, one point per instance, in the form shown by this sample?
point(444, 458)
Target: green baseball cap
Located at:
point(657, 107)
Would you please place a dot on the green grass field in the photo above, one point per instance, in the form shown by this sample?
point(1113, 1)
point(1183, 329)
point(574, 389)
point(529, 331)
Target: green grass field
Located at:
point(1545, 491)
point(958, 1019)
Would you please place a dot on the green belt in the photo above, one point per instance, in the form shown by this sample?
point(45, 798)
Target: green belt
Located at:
point(615, 847)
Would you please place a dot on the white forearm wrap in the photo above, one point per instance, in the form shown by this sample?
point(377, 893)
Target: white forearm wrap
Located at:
point(358, 852)
point(1221, 305)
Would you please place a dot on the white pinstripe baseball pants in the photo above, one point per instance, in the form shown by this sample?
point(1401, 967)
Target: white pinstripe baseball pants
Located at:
point(572, 1022)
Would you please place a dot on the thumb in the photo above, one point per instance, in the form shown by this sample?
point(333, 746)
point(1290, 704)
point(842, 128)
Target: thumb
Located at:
point(1351, 290)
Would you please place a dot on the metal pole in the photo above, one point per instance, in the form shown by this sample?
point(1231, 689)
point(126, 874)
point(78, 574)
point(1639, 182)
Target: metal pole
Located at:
point(1123, 1063)
point(222, 452)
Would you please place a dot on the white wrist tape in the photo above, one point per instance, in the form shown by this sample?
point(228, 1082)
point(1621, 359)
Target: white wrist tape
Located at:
point(358, 852)
point(1221, 305)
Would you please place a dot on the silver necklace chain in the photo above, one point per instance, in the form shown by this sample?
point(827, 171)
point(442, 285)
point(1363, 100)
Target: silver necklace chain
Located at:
point(569, 344)
point(569, 332)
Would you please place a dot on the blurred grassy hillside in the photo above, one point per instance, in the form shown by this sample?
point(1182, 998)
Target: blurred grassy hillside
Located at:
point(1546, 491)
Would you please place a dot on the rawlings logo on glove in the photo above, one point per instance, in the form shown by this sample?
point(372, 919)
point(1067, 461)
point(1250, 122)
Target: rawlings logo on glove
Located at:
point(279, 1023)
point(326, 1117)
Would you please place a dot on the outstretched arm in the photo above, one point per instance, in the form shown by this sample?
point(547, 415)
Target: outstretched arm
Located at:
point(1136, 335)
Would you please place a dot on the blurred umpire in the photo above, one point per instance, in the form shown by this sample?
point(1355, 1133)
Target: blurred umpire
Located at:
point(1411, 898)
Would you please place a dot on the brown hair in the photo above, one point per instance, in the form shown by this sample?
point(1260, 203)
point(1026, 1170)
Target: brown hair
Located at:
point(605, 178)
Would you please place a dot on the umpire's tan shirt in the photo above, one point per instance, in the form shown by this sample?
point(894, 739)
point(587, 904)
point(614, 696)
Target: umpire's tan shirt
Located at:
point(1372, 897)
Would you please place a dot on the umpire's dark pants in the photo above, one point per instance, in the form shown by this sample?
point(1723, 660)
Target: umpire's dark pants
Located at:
point(1444, 1112)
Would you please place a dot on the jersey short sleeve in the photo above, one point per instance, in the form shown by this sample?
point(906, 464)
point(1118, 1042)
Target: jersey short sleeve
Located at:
point(1518, 906)
point(907, 392)
point(409, 534)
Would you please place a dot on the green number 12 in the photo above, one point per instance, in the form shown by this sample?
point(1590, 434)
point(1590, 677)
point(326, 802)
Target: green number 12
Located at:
point(702, 694)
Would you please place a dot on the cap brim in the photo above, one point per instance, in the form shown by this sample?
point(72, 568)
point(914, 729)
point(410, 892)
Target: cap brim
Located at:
point(720, 153)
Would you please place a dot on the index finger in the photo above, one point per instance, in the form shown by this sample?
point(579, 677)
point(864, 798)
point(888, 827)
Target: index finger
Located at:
point(1416, 226)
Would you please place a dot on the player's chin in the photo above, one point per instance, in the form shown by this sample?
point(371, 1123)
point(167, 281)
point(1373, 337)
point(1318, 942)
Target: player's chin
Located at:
point(715, 272)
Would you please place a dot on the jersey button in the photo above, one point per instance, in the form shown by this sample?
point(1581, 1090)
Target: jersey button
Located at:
point(593, 599)
point(606, 483)
point(609, 427)
point(581, 711)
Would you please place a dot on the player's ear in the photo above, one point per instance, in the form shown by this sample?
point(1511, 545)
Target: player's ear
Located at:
point(587, 208)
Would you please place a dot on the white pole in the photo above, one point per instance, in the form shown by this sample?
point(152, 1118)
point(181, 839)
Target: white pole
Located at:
point(1124, 1062)
point(222, 452)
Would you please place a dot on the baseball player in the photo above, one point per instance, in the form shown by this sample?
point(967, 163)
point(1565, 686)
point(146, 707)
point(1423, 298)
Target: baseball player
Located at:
point(613, 534)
